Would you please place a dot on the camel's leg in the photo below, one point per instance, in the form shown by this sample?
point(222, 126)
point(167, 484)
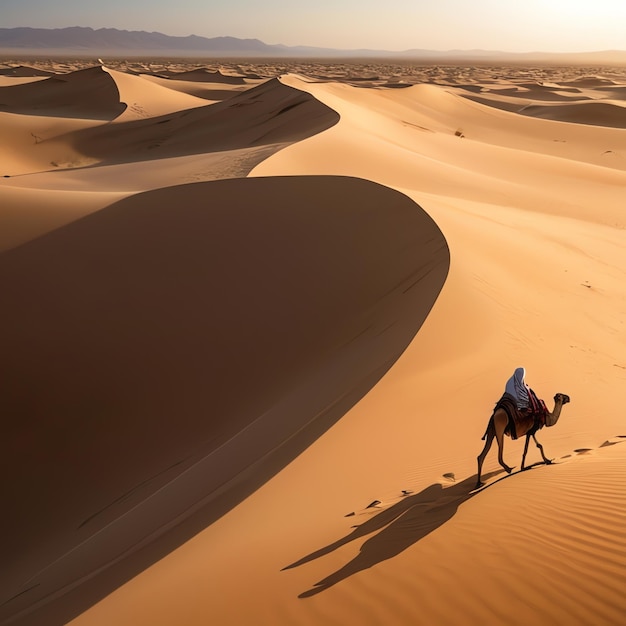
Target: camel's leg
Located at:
point(500, 421)
point(546, 460)
point(481, 457)
point(525, 451)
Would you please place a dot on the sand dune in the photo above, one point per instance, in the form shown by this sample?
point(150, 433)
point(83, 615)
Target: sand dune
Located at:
point(590, 81)
point(24, 71)
point(230, 394)
point(615, 91)
point(11, 81)
point(214, 92)
point(302, 314)
point(204, 75)
point(148, 100)
point(88, 93)
point(270, 114)
point(30, 143)
point(587, 100)
point(596, 113)
point(28, 213)
point(605, 113)
point(228, 140)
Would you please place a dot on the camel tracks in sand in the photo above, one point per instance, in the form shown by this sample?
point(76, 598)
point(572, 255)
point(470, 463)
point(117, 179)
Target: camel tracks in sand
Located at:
point(448, 483)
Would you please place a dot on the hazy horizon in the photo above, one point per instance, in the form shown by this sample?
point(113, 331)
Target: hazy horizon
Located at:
point(534, 26)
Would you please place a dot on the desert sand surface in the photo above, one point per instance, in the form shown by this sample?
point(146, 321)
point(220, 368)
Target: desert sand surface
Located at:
point(256, 317)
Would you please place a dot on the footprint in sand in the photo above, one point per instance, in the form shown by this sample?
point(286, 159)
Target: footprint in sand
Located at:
point(614, 441)
point(372, 505)
point(451, 477)
point(609, 442)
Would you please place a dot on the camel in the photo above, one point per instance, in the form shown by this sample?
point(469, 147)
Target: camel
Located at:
point(500, 425)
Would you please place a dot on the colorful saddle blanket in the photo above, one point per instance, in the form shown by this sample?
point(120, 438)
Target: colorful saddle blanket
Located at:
point(525, 421)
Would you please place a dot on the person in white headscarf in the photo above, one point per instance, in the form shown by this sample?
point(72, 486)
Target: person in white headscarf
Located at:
point(517, 387)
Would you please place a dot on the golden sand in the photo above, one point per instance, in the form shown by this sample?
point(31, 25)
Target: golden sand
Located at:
point(256, 318)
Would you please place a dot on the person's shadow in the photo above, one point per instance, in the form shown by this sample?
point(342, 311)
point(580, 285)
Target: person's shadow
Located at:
point(400, 526)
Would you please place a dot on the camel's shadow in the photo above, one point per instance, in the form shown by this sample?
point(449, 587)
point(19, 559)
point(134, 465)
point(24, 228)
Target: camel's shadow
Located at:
point(399, 526)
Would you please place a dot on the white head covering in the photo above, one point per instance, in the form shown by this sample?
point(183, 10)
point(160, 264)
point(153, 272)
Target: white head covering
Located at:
point(516, 387)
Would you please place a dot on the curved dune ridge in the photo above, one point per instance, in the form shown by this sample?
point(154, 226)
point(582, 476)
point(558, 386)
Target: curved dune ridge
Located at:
point(212, 92)
point(183, 336)
point(268, 114)
point(272, 113)
point(90, 93)
point(588, 100)
point(596, 113)
point(219, 141)
point(144, 99)
point(184, 310)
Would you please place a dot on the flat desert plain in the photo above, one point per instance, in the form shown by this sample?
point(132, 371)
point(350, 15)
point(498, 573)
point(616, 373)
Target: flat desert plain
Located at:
point(255, 319)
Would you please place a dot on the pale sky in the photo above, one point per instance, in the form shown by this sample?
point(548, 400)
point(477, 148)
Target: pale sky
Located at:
point(395, 25)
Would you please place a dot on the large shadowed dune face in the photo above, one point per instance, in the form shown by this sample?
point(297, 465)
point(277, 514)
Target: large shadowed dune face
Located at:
point(160, 331)
point(270, 113)
point(90, 93)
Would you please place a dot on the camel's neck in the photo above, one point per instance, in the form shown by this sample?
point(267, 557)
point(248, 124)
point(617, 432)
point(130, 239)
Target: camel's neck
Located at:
point(553, 417)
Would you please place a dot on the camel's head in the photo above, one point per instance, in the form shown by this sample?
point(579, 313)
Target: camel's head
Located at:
point(562, 398)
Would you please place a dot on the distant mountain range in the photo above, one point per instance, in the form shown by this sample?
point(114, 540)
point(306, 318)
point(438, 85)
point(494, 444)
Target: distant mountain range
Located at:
point(83, 41)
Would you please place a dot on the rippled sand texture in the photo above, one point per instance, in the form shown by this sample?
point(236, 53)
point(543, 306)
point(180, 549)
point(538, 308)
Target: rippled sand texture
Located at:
point(255, 320)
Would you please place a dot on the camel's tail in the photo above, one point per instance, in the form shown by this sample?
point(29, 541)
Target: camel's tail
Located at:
point(489, 427)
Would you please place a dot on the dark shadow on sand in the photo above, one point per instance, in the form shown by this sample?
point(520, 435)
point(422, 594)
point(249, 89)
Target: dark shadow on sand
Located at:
point(397, 528)
point(185, 345)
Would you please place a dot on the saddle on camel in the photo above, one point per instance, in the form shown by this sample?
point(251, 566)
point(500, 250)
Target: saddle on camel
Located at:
point(526, 412)
point(519, 412)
